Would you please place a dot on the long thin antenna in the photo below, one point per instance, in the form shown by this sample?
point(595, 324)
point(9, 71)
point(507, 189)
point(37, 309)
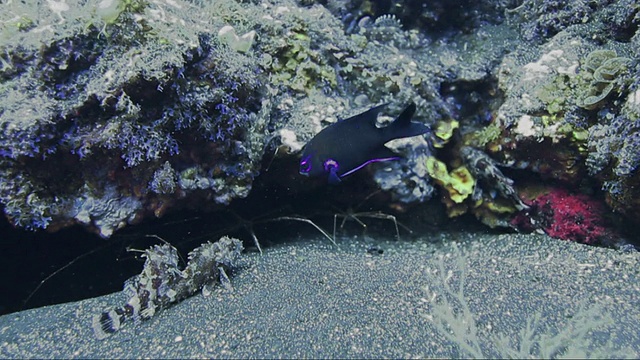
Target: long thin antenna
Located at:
point(305, 220)
point(79, 257)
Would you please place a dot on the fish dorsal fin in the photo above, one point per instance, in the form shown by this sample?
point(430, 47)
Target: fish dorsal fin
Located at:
point(402, 126)
point(404, 119)
point(368, 117)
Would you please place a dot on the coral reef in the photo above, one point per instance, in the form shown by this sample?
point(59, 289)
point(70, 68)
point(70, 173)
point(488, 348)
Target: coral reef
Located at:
point(547, 18)
point(607, 72)
point(436, 18)
point(565, 114)
point(486, 171)
point(458, 182)
point(474, 185)
point(136, 107)
point(407, 179)
point(614, 159)
point(116, 111)
point(567, 216)
point(542, 19)
point(104, 115)
point(162, 284)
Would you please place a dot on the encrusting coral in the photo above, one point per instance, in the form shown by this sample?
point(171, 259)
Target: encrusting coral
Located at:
point(567, 216)
point(138, 107)
point(607, 74)
point(125, 102)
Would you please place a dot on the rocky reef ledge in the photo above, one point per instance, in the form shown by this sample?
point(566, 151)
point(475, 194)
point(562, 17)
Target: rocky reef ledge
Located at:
point(112, 111)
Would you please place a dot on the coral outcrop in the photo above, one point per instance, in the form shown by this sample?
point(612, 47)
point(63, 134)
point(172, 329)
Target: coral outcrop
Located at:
point(116, 110)
point(567, 216)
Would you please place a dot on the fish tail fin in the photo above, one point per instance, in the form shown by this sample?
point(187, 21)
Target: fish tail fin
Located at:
point(107, 322)
point(402, 126)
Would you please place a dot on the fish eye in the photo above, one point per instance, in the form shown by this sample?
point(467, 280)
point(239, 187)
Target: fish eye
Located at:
point(330, 164)
point(305, 165)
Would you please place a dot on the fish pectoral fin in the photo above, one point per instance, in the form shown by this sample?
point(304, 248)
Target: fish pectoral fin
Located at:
point(334, 179)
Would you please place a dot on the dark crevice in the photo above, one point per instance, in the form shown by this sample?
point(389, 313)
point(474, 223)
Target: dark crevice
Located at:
point(105, 264)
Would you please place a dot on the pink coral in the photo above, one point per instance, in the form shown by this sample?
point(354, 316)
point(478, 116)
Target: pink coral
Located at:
point(567, 216)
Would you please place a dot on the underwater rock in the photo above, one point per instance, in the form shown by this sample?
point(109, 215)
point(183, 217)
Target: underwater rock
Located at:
point(103, 115)
point(154, 105)
point(607, 71)
point(558, 109)
point(121, 110)
point(568, 216)
point(613, 158)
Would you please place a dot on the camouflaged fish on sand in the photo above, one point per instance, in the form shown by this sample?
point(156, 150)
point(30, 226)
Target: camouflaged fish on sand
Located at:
point(161, 283)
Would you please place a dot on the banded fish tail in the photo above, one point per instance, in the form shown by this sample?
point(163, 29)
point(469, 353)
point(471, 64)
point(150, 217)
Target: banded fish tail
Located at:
point(108, 322)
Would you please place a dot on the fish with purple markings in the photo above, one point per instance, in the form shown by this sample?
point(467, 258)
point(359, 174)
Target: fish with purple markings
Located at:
point(347, 146)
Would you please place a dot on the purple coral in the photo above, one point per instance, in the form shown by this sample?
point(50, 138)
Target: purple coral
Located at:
point(87, 122)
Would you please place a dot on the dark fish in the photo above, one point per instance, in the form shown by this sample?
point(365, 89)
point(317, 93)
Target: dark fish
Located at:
point(348, 145)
